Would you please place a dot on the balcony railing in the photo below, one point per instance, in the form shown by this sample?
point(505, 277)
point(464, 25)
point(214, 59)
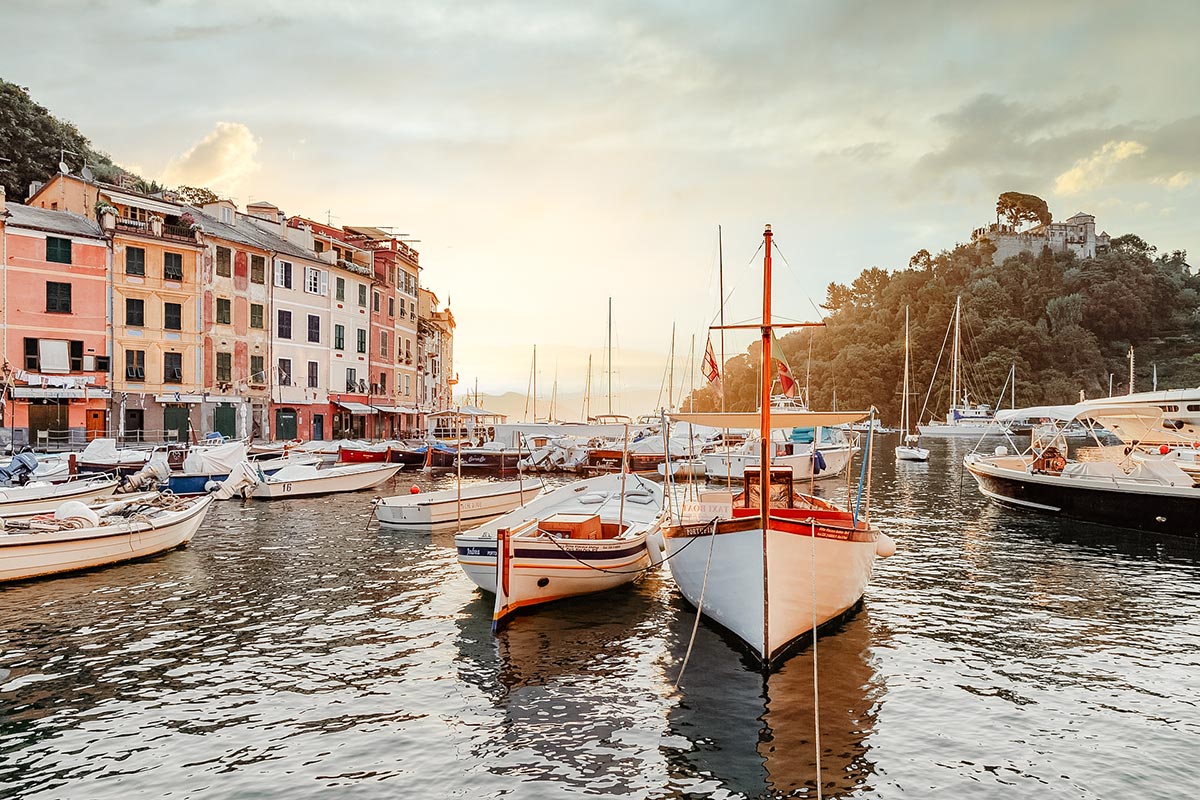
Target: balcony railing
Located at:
point(178, 232)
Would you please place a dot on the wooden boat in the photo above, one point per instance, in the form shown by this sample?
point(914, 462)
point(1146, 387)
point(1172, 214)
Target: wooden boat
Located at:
point(770, 564)
point(76, 537)
point(451, 508)
point(492, 457)
point(408, 455)
point(584, 537)
point(909, 448)
point(39, 498)
point(305, 481)
point(363, 454)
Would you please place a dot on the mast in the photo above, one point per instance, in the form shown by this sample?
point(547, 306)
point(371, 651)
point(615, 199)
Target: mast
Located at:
point(764, 504)
point(954, 367)
point(691, 375)
point(609, 347)
point(535, 383)
point(721, 281)
point(904, 402)
point(587, 392)
point(671, 371)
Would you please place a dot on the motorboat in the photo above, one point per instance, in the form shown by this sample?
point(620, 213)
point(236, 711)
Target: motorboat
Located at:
point(461, 507)
point(492, 456)
point(75, 536)
point(810, 452)
point(302, 480)
point(205, 465)
point(38, 497)
point(588, 536)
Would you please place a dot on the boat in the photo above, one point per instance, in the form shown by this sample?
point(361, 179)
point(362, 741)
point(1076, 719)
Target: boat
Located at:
point(1180, 412)
point(463, 507)
point(684, 468)
point(588, 536)
point(75, 537)
point(1146, 495)
point(409, 455)
point(492, 456)
point(768, 563)
point(40, 498)
point(303, 480)
point(909, 448)
point(363, 453)
point(205, 466)
point(964, 418)
point(820, 452)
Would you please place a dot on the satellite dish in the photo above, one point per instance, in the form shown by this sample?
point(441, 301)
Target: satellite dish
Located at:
point(62, 167)
point(87, 173)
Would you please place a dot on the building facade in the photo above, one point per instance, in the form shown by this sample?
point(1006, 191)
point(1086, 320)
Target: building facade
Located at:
point(1076, 235)
point(436, 355)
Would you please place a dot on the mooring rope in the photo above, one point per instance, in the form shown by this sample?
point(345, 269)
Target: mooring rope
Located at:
point(712, 540)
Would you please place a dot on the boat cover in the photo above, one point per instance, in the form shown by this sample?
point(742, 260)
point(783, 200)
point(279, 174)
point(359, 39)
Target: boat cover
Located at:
point(217, 460)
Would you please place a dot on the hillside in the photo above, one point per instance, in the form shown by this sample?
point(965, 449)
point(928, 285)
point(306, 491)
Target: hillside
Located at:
point(1065, 323)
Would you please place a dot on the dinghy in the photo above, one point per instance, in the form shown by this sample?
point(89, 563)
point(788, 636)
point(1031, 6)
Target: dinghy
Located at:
point(426, 512)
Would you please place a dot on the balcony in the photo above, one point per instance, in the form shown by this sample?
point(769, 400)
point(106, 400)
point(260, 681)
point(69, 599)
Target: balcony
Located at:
point(179, 233)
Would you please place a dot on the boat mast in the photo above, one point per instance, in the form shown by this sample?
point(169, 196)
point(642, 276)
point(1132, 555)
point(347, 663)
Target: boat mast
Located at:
point(587, 392)
point(610, 355)
point(904, 402)
point(671, 371)
point(764, 504)
point(954, 367)
point(535, 383)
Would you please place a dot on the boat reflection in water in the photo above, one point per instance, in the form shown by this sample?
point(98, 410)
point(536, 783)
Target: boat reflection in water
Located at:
point(773, 754)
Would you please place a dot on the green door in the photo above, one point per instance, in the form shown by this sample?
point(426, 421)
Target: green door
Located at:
point(175, 423)
point(224, 421)
point(285, 424)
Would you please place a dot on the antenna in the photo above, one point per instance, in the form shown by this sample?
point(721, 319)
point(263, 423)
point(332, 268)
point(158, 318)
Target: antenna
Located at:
point(87, 173)
point(62, 167)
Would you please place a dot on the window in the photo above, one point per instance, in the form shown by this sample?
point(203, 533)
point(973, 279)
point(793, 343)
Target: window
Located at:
point(48, 355)
point(172, 266)
point(58, 297)
point(391, 306)
point(314, 374)
point(316, 281)
point(172, 316)
point(135, 312)
point(407, 385)
point(375, 300)
point(172, 367)
point(258, 269)
point(284, 328)
point(135, 260)
point(227, 215)
point(314, 329)
point(58, 250)
point(76, 355)
point(383, 343)
point(283, 274)
point(256, 315)
point(223, 262)
point(383, 383)
point(224, 311)
point(224, 368)
point(362, 295)
point(339, 337)
point(340, 290)
point(362, 340)
point(258, 376)
point(285, 372)
point(351, 379)
point(402, 306)
point(135, 365)
point(408, 349)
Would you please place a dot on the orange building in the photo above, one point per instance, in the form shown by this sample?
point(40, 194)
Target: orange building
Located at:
point(55, 319)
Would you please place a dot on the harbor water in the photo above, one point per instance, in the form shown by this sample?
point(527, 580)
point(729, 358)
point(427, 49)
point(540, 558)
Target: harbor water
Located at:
point(296, 650)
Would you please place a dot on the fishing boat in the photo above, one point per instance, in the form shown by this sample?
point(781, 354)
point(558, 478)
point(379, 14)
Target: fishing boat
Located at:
point(363, 453)
point(821, 452)
point(964, 418)
point(75, 537)
point(39, 498)
point(1147, 495)
point(768, 563)
point(302, 480)
point(464, 507)
point(909, 448)
point(584, 537)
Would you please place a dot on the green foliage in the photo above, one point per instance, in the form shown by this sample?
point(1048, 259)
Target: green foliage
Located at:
point(32, 140)
point(1017, 208)
point(1064, 323)
point(197, 195)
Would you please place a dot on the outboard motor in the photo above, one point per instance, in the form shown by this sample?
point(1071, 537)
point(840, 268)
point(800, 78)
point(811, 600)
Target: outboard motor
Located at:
point(154, 473)
point(19, 470)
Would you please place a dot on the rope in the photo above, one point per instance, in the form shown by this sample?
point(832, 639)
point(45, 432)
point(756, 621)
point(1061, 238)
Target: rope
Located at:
point(712, 540)
point(816, 683)
point(553, 540)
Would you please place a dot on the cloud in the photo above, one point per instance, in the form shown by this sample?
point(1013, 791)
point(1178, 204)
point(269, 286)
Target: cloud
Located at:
point(222, 160)
point(1179, 180)
point(1092, 172)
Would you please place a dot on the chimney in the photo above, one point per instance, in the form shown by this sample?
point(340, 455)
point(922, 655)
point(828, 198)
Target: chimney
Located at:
point(33, 188)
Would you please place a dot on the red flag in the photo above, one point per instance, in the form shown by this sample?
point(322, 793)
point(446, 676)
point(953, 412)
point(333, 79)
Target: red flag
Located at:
point(786, 382)
point(710, 370)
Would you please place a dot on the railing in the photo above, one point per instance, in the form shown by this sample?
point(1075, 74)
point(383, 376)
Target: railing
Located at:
point(178, 232)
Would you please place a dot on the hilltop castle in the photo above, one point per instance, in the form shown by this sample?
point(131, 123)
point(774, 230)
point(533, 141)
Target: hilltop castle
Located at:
point(1077, 235)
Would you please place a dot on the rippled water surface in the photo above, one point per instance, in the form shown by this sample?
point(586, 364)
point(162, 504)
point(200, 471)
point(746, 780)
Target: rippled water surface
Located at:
point(296, 650)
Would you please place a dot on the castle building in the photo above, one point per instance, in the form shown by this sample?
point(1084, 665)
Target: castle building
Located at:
point(1076, 235)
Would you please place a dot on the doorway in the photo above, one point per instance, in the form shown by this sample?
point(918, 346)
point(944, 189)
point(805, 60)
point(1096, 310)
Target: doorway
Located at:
point(318, 428)
point(225, 420)
point(135, 424)
point(48, 424)
point(285, 423)
point(96, 426)
point(175, 423)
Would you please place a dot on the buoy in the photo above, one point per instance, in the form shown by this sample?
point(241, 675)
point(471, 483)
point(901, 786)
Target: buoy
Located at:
point(1163, 449)
point(414, 489)
point(885, 546)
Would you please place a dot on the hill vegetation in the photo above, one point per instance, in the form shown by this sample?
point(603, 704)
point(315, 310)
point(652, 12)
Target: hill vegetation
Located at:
point(1065, 323)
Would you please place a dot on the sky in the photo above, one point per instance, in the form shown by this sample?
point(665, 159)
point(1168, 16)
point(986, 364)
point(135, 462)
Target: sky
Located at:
point(550, 155)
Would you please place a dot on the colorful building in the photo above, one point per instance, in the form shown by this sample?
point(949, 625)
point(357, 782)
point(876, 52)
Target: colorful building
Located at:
point(55, 327)
point(436, 355)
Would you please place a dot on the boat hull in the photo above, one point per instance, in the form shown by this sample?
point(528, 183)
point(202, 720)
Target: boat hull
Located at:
point(23, 500)
point(443, 510)
point(350, 455)
point(354, 481)
point(975, 429)
point(719, 466)
point(1170, 510)
point(24, 556)
point(904, 453)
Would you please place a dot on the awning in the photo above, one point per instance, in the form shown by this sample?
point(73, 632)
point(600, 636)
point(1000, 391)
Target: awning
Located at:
point(779, 419)
point(136, 201)
point(357, 408)
point(397, 409)
point(1081, 411)
point(179, 397)
point(37, 392)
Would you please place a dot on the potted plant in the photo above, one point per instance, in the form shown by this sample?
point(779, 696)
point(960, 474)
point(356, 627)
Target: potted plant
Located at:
point(156, 224)
point(107, 214)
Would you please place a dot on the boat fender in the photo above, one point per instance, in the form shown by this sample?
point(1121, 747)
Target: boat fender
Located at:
point(211, 486)
point(885, 546)
point(640, 497)
point(1163, 449)
point(1001, 450)
point(656, 545)
point(73, 511)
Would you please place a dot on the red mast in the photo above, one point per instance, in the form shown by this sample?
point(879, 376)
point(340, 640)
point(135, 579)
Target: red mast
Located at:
point(764, 477)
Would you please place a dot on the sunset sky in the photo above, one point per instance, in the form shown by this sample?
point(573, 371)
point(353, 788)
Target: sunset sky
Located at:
point(549, 155)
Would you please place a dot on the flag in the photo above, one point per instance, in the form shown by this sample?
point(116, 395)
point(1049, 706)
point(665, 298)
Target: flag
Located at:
point(786, 382)
point(710, 370)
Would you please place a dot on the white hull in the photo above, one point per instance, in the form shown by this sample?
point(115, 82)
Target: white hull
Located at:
point(31, 555)
point(30, 500)
point(975, 429)
point(904, 453)
point(432, 511)
point(737, 595)
point(332, 480)
point(684, 468)
point(720, 465)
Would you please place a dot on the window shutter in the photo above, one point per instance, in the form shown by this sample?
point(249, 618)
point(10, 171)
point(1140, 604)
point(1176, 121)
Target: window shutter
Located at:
point(324, 283)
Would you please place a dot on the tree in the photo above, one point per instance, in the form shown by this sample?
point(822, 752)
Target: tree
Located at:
point(921, 260)
point(197, 195)
point(1017, 208)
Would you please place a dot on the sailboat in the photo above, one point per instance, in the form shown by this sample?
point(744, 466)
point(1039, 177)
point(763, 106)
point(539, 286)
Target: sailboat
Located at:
point(769, 564)
point(964, 417)
point(908, 449)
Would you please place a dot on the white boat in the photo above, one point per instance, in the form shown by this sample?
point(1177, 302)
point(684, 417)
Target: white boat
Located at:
point(772, 565)
point(76, 537)
point(40, 498)
point(302, 480)
point(1180, 417)
point(618, 500)
point(452, 508)
point(964, 418)
point(96, 503)
point(795, 450)
point(909, 448)
point(684, 468)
